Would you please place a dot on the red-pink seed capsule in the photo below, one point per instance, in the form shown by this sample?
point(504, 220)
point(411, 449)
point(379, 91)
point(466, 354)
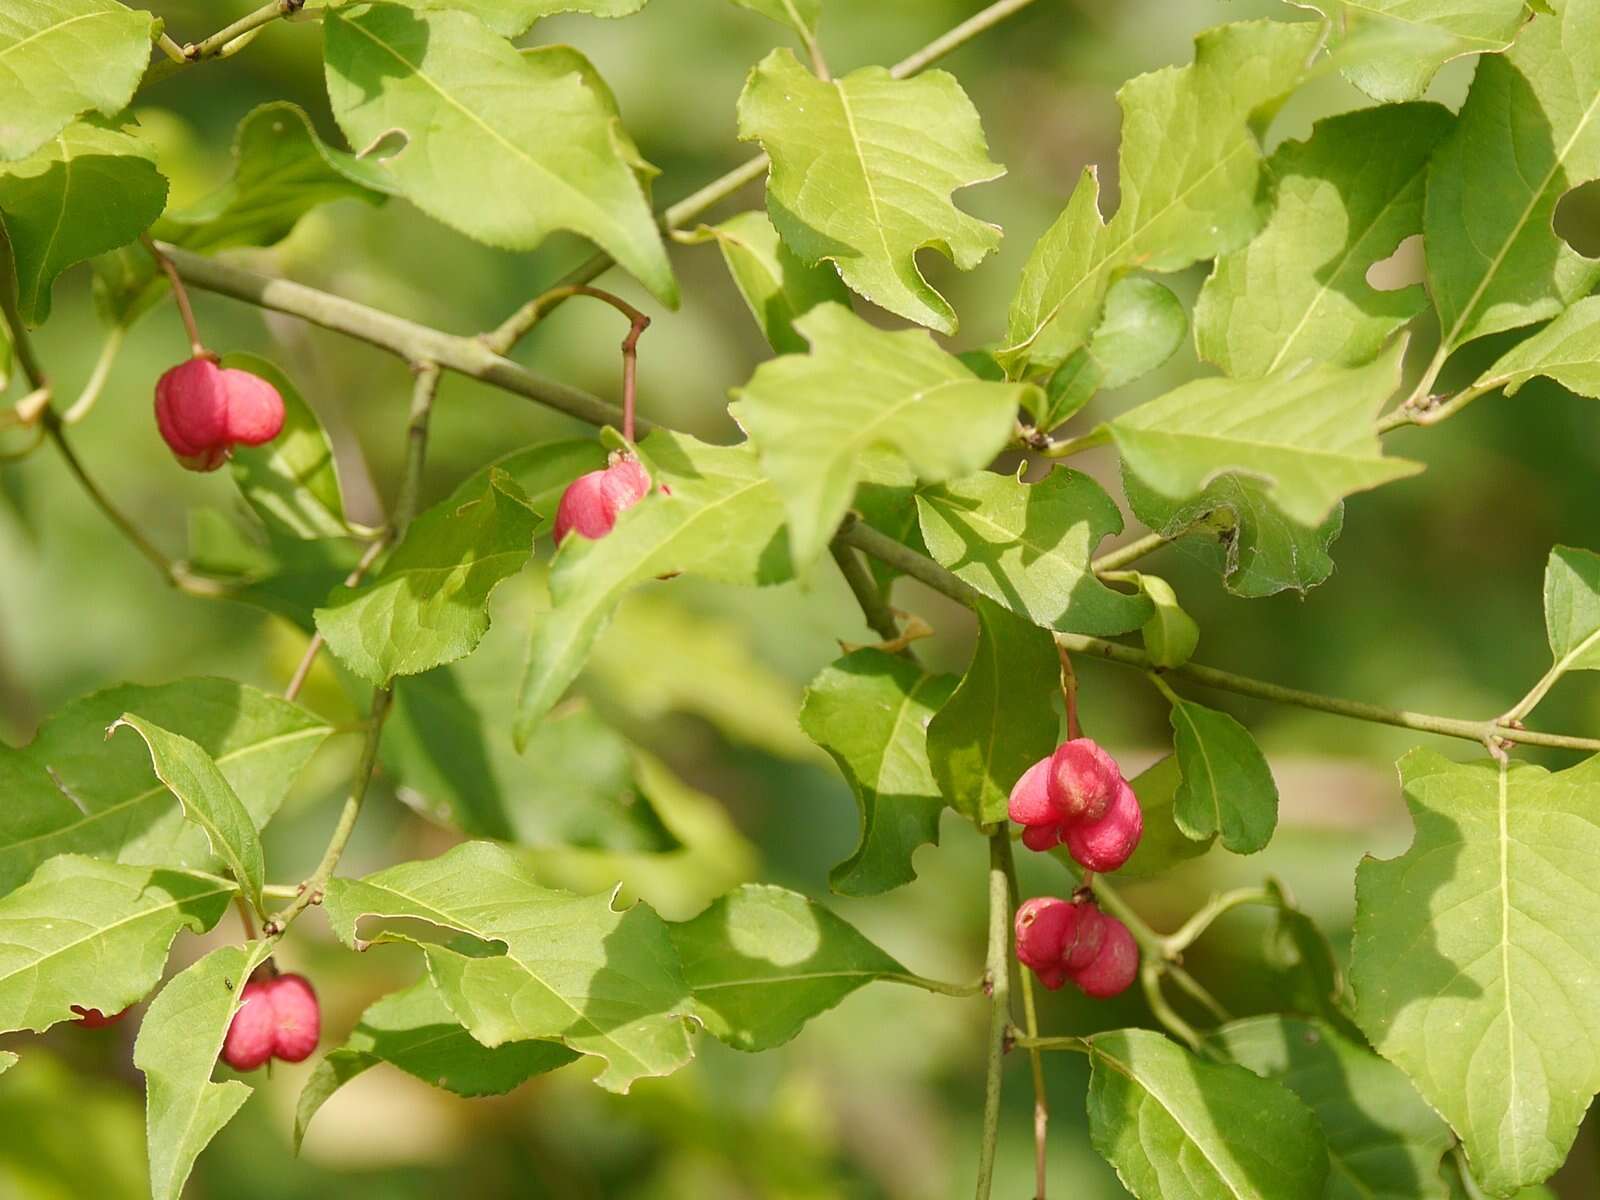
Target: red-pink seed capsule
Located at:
point(1106, 844)
point(1114, 967)
point(255, 408)
point(1041, 837)
point(626, 483)
point(1083, 780)
point(297, 1017)
point(1030, 798)
point(192, 409)
point(592, 501)
point(1088, 935)
point(1043, 926)
point(93, 1018)
point(253, 1033)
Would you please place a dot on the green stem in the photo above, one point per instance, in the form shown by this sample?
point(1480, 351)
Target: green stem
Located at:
point(997, 977)
point(97, 378)
point(1115, 560)
point(1189, 932)
point(1075, 1044)
point(937, 986)
point(957, 37)
point(1418, 409)
point(1100, 436)
point(876, 610)
point(1030, 1020)
point(1192, 985)
point(423, 391)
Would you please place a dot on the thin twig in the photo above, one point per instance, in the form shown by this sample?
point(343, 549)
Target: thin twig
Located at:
point(997, 976)
point(874, 608)
point(1115, 560)
point(314, 646)
point(97, 378)
point(197, 345)
point(1030, 1021)
point(1069, 693)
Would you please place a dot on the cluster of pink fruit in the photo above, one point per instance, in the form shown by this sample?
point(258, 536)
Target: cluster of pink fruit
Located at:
point(203, 410)
point(1077, 796)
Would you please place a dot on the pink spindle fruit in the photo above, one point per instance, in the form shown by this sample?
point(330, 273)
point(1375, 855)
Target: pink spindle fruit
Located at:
point(203, 410)
point(1114, 967)
point(1083, 780)
point(1062, 940)
point(277, 1018)
point(1106, 844)
point(248, 1044)
point(1077, 795)
point(591, 503)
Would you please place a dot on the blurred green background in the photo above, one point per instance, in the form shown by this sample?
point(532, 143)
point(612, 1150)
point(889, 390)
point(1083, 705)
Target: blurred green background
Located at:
point(1435, 605)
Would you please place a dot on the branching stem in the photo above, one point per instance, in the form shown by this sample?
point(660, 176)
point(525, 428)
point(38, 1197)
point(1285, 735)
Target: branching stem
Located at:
point(197, 345)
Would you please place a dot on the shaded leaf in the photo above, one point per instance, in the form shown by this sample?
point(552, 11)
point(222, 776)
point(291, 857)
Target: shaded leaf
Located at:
point(512, 18)
point(558, 966)
point(504, 147)
point(870, 711)
point(812, 418)
point(1567, 350)
point(95, 934)
point(1475, 957)
point(762, 961)
point(1227, 787)
point(1163, 845)
point(892, 151)
point(1000, 720)
point(1028, 547)
point(799, 15)
point(1572, 609)
point(414, 1030)
point(281, 575)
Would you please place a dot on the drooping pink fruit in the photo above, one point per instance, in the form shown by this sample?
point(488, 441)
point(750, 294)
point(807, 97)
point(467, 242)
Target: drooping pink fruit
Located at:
point(203, 410)
point(93, 1018)
point(1083, 780)
point(299, 1019)
point(1030, 799)
point(591, 503)
point(250, 1038)
point(1044, 926)
point(1106, 844)
point(1088, 936)
point(1114, 967)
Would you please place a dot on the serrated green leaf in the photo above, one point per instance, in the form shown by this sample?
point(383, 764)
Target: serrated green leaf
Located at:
point(95, 934)
point(1308, 432)
point(1390, 49)
point(813, 418)
point(1175, 1125)
point(60, 58)
point(291, 482)
point(775, 284)
point(281, 575)
point(177, 1048)
point(1532, 123)
point(414, 1030)
point(1572, 609)
point(192, 776)
point(513, 18)
point(720, 519)
point(71, 791)
point(799, 15)
point(53, 203)
point(1170, 636)
point(573, 969)
point(1188, 170)
point(1163, 845)
point(448, 744)
point(870, 711)
point(1142, 325)
point(1298, 290)
point(892, 151)
point(542, 471)
point(1255, 548)
point(1567, 350)
point(1475, 957)
point(504, 147)
point(282, 170)
point(762, 961)
point(429, 604)
point(1227, 787)
point(1000, 720)
point(1028, 547)
point(1384, 1143)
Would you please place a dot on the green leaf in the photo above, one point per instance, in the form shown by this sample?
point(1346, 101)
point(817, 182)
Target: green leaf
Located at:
point(1384, 1143)
point(813, 418)
point(1163, 845)
point(1308, 432)
point(1475, 957)
point(414, 1030)
point(449, 745)
point(542, 471)
point(1257, 550)
point(775, 284)
point(1142, 325)
point(1390, 49)
point(95, 934)
point(713, 514)
point(429, 604)
point(177, 1048)
point(1530, 123)
point(762, 961)
point(192, 776)
point(1572, 609)
point(281, 575)
point(891, 152)
point(1299, 289)
point(1307, 976)
point(291, 482)
point(1227, 786)
point(1175, 1125)
point(506, 148)
point(282, 170)
point(559, 967)
point(1170, 636)
point(1188, 171)
point(800, 15)
point(60, 58)
point(71, 791)
point(870, 711)
point(1028, 547)
point(54, 205)
point(1567, 350)
point(1000, 720)
point(512, 18)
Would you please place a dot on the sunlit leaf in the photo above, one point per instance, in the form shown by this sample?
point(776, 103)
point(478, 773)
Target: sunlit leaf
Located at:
point(1170, 635)
point(1227, 787)
point(799, 15)
point(512, 18)
point(1567, 350)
